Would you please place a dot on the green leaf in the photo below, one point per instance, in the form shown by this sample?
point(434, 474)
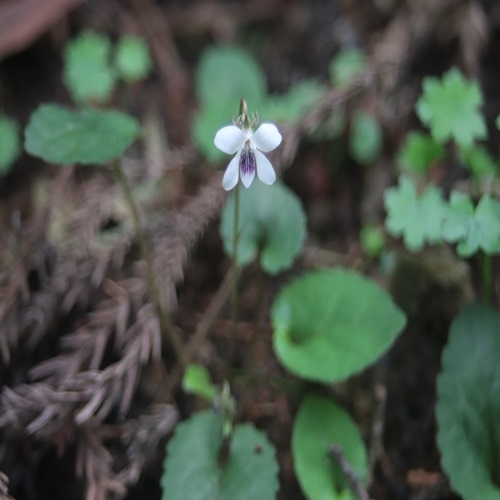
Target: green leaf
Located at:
point(89, 136)
point(346, 65)
point(225, 75)
point(205, 125)
point(473, 229)
point(480, 162)
point(9, 143)
point(419, 152)
point(331, 324)
point(319, 424)
point(271, 225)
point(192, 470)
point(132, 61)
point(87, 71)
point(292, 106)
point(417, 218)
point(197, 381)
point(372, 240)
point(468, 406)
point(365, 139)
point(451, 108)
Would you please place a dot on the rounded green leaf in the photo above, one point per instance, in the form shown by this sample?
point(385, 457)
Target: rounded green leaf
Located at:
point(292, 106)
point(9, 143)
point(89, 136)
point(205, 125)
point(365, 139)
point(331, 324)
point(468, 406)
point(192, 469)
point(271, 224)
point(346, 65)
point(87, 72)
point(132, 61)
point(319, 424)
point(225, 75)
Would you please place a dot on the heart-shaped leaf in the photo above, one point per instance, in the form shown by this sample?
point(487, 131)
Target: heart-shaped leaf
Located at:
point(331, 324)
point(320, 424)
point(192, 469)
point(271, 223)
point(468, 407)
point(89, 136)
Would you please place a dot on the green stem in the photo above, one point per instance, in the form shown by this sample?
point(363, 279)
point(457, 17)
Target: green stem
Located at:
point(485, 263)
point(235, 272)
point(166, 323)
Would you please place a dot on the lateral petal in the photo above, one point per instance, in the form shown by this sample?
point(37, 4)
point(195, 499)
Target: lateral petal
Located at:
point(265, 170)
point(231, 174)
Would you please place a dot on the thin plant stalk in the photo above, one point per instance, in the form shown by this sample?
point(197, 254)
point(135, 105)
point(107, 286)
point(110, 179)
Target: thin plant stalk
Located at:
point(235, 270)
point(166, 323)
point(485, 263)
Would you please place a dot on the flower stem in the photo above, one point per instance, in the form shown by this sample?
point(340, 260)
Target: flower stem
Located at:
point(486, 271)
point(235, 271)
point(166, 323)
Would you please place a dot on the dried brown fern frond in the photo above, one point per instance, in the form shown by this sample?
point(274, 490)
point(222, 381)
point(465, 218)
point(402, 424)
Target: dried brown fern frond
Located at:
point(173, 234)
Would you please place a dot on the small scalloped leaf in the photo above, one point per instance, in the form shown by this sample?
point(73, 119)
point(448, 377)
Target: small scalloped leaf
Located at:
point(89, 136)
point(271, 224)
point(192, 469)
point(320, 423)
point(468, 405)
point(331, 324)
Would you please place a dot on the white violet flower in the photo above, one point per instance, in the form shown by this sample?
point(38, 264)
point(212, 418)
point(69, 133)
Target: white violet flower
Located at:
point(248, 147)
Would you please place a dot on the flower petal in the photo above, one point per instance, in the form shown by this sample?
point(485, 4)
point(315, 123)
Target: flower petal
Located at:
point(265, 170)
point(266, 138)
point(229, 139)
point(247, 174)
point(231, 174)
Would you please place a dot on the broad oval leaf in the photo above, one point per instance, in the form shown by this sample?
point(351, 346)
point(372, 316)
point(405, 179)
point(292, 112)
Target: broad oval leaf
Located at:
point(89, 136)
point(225, 75)
point(192, 470)
point(271, 224)
point(468, 406)
point(319, 424)
point(331, 324)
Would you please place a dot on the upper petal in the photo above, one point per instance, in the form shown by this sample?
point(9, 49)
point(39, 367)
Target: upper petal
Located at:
point(229, 139)
point(231, 174)
point(265, 171)
point(266, 138)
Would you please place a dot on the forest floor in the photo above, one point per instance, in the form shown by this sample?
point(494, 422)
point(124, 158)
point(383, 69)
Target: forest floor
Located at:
point(61, 305)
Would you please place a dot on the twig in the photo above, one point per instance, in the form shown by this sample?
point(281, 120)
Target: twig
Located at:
point(336, 452)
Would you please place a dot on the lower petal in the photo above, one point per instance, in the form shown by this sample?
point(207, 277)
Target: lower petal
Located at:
point(230, 178)
point(265, 170)
point(247, 176)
